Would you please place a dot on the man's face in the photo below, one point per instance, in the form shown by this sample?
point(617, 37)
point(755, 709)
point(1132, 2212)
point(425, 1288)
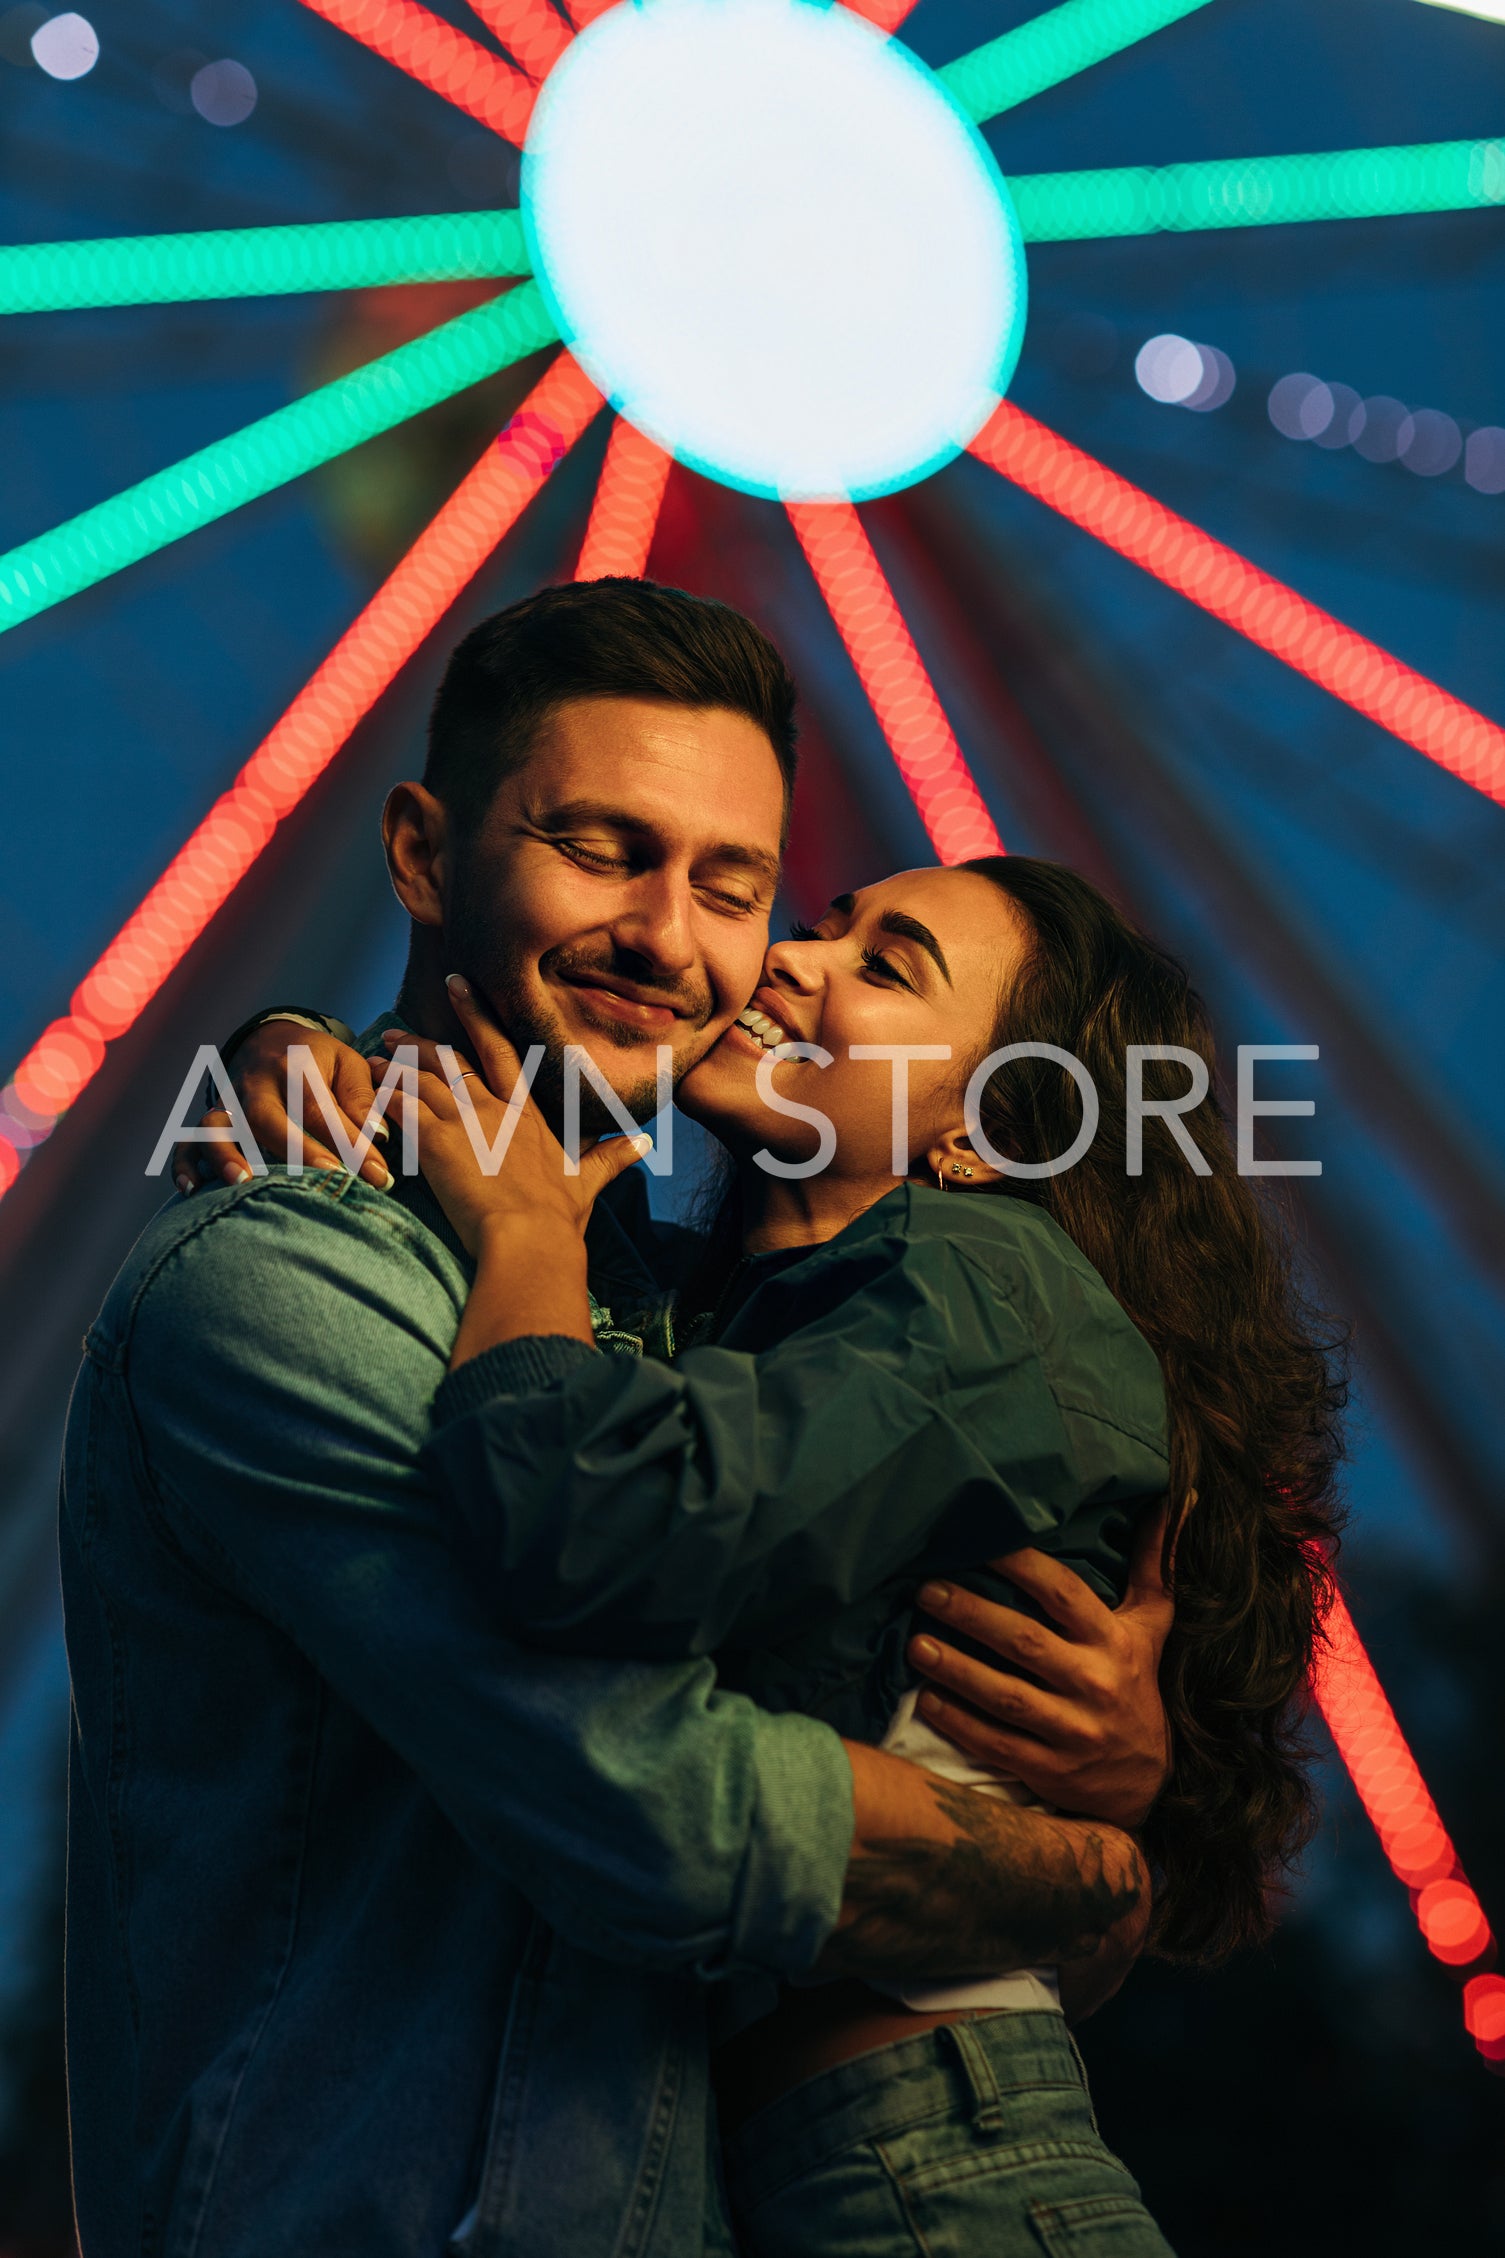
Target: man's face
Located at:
point(617, 893)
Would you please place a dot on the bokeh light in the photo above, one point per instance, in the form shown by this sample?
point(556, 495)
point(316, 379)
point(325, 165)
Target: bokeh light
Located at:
point(282, 446)
point(224, 92)
point(250, 262)
point(1484, 459)
point(1451, 1919)
point(1272, 615)
point(66, 46)
point(1484, 2014)
point(1345, 417)
point(445, 60)
point(1428, 442)
point(1493, 11)
point(1168, 368)
point(774, 244)
point(1260, 191)
point(1175, 371)
point(404, 610)
point(1300, 405)
point(619, 532)
point(1053, 45)
point(1378, 436)
point(893, 674)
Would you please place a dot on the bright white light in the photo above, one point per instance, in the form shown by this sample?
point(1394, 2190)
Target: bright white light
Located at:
point(65, 46)
point(223, 92)
point(772, 239)
point(1183, 375)
point(1492, 10)
point(1169, 368)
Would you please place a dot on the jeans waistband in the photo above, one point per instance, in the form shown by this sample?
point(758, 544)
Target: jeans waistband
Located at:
point(969, 2068)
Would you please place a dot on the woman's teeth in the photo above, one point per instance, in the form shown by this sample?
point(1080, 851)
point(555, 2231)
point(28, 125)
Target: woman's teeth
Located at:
point(764, 1030)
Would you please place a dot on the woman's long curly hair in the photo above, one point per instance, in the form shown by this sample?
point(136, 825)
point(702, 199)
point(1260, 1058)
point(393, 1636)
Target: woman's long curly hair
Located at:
point(1254, 1380)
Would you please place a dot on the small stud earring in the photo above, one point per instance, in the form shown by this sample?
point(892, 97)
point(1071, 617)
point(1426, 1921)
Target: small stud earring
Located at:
point(966, 1171)
point(956, 1168)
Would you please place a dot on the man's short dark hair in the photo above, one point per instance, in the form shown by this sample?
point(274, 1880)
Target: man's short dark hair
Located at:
point(595, 639)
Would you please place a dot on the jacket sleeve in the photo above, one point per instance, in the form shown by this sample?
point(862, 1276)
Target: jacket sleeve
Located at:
point(729, 1499)
point(281, 1367)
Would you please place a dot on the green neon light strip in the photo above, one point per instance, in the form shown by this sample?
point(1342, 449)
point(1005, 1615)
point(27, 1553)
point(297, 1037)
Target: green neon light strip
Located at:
point(1051, 47)
point(267, 454)
point(1438, 176)
point(256, 262)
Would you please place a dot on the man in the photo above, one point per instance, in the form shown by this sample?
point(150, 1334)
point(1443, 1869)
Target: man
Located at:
point(320, 1809)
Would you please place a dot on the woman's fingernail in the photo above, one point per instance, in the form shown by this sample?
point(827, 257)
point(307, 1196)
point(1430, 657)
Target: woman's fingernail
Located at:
point(456, 985)
point(926, 1652)
point(391, 1035)
point(387, 1182)
point(382, 1129)
point(184, 1183)
point(641, 1144)
point(235, 1172)
point(932, 1704)
point(935, 1598)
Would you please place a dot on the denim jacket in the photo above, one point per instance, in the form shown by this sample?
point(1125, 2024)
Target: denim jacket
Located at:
point(318, 1799)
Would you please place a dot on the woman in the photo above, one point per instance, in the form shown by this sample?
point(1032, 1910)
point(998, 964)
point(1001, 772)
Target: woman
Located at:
point(1005, 1333)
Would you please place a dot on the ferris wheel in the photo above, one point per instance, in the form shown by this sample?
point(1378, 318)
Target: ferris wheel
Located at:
point(775, 246)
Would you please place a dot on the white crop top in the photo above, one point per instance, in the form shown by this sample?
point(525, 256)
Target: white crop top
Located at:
point(908, 1735)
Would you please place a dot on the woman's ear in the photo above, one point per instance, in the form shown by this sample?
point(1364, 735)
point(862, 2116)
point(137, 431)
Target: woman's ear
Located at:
point(415, 833)
point(954, 1162)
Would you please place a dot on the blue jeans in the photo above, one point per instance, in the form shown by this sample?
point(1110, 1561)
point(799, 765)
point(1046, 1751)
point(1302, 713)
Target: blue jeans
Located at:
point(973, 2140)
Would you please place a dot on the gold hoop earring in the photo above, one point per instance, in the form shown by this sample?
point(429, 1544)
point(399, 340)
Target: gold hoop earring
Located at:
point(940, 1177)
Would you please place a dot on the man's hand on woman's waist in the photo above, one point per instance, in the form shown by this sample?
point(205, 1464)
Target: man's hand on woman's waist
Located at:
point(1091, 1736)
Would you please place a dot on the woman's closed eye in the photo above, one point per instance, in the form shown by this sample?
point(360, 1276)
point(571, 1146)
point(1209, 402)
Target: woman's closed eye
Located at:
point(875, 961)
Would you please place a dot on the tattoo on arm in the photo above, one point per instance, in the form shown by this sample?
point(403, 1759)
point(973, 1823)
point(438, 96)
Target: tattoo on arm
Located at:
point(996, 1888)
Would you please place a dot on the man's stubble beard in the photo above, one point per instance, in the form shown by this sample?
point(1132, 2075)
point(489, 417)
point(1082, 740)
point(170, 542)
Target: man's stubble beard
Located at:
point(498, 966)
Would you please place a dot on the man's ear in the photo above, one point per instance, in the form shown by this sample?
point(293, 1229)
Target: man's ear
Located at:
point(954, 1161)
point(415, 833)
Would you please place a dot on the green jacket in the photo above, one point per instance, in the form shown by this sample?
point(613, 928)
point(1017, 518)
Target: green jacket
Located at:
point(947, 1379)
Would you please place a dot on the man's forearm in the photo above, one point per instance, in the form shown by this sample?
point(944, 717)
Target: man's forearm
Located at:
point(945, 1883)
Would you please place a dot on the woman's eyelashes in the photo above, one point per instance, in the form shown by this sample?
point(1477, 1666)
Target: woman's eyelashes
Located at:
point(873, 960)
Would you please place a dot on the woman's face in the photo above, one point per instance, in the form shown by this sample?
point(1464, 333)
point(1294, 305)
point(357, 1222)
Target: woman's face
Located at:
point(920, 959)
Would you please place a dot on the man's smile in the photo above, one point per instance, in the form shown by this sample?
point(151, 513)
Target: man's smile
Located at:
point(624, 1001)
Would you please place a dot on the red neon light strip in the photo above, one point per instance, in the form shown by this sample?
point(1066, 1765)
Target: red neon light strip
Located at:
point(439, 57)
point(219, 853)
point(528, 29)
point(1237, 592)
point(625, 511)
point(886, 14)
point(892, 673)
point(1412, 1836)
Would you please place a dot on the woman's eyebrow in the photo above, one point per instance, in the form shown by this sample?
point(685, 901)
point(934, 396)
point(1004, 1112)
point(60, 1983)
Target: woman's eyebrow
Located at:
point(907, 928)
